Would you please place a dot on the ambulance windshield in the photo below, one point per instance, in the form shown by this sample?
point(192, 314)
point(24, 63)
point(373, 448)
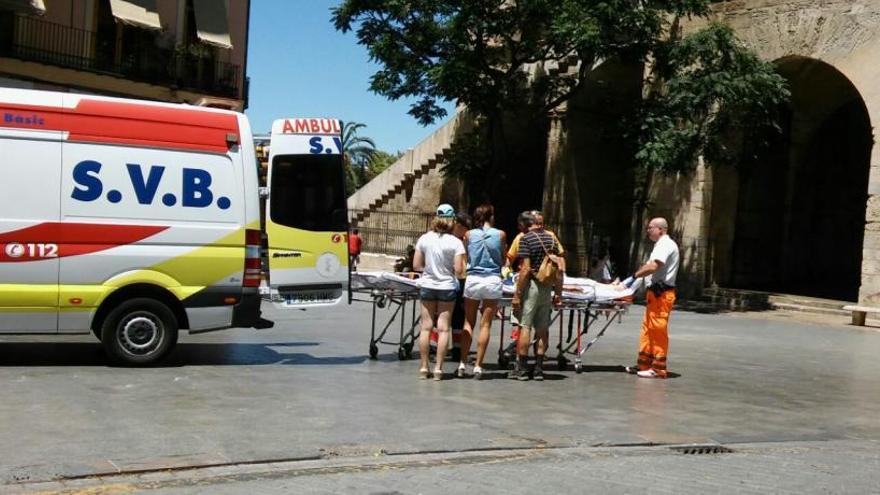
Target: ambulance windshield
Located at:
point(308, 192)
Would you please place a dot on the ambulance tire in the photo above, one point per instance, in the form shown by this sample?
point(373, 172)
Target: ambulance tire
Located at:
point(139, 332)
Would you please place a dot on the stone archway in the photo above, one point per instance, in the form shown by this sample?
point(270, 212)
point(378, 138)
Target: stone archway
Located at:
point(799, 207)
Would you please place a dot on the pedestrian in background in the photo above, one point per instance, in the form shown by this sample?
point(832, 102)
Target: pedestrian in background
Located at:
point(485, 248)
point(441, 257)
point(463, 223)
point(354, 249)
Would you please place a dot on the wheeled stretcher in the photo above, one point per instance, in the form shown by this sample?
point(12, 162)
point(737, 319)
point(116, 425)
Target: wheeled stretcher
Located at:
point(585, 301)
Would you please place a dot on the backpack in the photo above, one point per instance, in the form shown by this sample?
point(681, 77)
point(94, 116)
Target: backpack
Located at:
point(548, 273)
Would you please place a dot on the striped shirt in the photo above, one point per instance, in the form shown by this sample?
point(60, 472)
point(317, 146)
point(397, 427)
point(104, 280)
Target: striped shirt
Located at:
point(533, 245)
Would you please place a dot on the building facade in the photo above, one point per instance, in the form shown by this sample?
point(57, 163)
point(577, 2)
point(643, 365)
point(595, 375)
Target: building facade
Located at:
point(803, 216)
point(185, 51)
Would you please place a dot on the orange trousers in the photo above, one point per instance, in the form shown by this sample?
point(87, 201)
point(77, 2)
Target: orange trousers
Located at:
point(654, 340)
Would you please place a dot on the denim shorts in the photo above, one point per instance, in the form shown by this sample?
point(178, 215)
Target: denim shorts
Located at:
point(445, 295)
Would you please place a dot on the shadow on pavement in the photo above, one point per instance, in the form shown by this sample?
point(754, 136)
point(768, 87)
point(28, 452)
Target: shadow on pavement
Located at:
point(185, 354)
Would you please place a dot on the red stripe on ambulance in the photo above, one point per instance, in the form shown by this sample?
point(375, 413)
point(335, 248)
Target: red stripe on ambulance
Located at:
point(59, 240)
point(112, 122)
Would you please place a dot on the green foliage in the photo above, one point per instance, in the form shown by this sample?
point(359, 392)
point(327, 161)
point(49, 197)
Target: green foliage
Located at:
point(708, 93)
point(475, 51)
point(357, 152)
point(717, 99)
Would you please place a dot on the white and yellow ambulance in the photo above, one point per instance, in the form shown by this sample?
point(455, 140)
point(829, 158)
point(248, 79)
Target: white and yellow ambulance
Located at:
point(134, 220)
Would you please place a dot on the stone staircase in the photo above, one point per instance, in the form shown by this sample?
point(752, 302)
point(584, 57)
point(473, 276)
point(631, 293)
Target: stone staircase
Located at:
point(409, 168)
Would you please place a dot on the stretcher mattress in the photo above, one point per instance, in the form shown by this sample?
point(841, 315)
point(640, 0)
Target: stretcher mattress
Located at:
point(573, 288)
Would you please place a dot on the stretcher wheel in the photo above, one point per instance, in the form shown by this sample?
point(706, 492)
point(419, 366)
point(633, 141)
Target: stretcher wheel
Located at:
point(374, 351)
point(578, 368)
point(401, 354)
point(408, 349)
point(502, 360)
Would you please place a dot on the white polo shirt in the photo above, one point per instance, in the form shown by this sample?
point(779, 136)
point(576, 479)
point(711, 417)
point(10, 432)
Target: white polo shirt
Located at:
point(665, 251)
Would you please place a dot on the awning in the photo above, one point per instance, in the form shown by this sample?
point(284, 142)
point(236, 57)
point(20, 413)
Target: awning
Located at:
point(212, 22)
point(25, 6)
point(140, 13)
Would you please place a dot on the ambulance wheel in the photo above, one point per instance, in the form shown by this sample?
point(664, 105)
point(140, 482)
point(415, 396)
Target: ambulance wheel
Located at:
point(139, 332)
point(374, 351)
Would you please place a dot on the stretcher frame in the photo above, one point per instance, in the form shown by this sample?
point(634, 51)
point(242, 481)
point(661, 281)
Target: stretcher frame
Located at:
point(586, 312)
point(399, 300)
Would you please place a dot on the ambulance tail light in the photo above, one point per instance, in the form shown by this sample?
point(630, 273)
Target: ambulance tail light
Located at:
point(252, 264)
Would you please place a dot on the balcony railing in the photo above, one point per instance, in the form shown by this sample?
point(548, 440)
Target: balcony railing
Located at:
point(35, 40)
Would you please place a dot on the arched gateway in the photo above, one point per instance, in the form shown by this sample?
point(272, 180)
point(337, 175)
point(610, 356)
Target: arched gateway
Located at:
point(792, 219)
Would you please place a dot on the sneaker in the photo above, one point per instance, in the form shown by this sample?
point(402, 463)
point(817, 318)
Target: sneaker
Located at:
point(649, 374)
point(632, 370)
point(538, 375)
point(514, 374)
point(523, 376)
point(478, 373)
point(424, 374)
point(438, 375)
point(461, 372)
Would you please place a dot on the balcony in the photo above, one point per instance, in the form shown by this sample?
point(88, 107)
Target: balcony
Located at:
point(193, 68)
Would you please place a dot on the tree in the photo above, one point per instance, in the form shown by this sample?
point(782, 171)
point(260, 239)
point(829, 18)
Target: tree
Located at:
point(357, 152)
point(493, 55)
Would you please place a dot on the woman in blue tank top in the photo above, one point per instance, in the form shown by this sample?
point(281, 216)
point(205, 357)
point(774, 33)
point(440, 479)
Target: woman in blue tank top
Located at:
point(485, 247)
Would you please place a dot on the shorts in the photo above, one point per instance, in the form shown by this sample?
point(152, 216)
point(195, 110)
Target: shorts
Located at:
point(536, 306)
point(482, 287)
point(443, 295)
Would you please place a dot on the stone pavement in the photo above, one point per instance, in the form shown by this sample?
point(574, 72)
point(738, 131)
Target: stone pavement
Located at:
point(305, 391)
point(791, 467)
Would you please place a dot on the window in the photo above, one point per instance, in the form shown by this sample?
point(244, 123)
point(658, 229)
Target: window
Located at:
point(308, 192)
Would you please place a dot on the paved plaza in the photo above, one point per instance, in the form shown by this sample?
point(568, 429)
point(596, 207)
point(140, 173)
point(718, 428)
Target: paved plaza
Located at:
point(303, 406)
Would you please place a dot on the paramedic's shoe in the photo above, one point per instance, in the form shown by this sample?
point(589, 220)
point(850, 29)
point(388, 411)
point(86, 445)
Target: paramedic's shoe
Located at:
point(424, 374)
point(649, 374)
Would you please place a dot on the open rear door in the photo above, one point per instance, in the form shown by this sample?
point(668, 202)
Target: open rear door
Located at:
point(306, 213)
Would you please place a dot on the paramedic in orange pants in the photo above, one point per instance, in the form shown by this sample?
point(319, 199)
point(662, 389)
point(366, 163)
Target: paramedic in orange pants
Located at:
point(662, 267)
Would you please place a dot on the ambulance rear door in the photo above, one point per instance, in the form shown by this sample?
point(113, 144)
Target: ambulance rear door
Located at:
point(306, 213)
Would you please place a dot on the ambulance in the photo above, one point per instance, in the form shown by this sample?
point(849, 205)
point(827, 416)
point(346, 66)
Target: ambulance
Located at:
point(135, 220)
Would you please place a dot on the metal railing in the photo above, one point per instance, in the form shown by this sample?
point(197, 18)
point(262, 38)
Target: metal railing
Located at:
point(35, 40)
point(390, 232)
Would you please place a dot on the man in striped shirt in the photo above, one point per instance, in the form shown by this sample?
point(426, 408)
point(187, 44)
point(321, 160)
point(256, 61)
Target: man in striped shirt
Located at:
point(533, 300)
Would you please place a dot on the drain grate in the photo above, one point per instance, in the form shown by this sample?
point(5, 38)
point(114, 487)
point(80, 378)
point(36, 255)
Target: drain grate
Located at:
point(701, 449)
